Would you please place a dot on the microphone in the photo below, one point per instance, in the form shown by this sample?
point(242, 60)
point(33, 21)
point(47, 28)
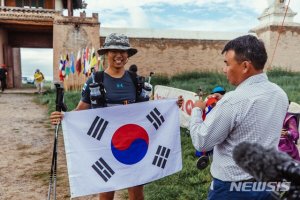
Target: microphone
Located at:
point(266, 164)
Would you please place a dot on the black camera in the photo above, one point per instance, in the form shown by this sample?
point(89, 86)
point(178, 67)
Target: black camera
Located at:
point(140, 84)
point(97, 95)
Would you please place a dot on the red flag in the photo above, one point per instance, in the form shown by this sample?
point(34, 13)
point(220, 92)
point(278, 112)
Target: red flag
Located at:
point(78, 63)
point(61, 76)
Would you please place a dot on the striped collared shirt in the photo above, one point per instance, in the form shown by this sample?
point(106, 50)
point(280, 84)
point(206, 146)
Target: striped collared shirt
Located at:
point(253, 112)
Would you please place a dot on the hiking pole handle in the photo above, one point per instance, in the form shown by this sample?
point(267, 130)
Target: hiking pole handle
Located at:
point(200, 93)
point(60, 105)
point(150, 76)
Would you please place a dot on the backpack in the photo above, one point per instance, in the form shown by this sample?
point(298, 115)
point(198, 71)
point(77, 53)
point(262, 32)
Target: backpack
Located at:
point(138, 82)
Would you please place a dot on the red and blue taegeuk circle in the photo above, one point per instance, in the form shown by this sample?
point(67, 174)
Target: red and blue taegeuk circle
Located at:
point(130, 143)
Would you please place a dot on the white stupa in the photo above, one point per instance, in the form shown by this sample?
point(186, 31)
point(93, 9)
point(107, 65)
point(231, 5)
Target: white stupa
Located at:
point(274, 14)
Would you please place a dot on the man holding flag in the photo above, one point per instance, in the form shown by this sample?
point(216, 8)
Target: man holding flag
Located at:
point(119, 89)
point(253, 112)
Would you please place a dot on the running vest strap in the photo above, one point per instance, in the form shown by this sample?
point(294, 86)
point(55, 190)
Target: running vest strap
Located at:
point(138, 82)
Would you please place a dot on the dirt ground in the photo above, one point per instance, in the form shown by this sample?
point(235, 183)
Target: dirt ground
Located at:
point(26, 141)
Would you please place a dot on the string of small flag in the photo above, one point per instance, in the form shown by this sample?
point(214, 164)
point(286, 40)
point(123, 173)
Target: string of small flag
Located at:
point(85, 62)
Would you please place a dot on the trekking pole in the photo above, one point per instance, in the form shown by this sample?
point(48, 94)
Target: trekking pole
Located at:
point(53, 167)
point(200, 93)
point(60, 106)
point(150, 76)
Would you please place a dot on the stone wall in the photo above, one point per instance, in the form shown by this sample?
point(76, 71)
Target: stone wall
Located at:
point(172, 56)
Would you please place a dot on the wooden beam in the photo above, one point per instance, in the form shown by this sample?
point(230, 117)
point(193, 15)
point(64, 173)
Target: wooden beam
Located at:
point(30, 39)
point(70, 8)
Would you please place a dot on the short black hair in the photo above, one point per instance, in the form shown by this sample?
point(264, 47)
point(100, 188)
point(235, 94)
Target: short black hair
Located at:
point(133, 68)
point(248, 48)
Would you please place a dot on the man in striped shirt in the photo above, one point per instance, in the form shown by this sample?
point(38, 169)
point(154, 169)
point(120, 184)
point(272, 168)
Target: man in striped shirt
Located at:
point(253, 112)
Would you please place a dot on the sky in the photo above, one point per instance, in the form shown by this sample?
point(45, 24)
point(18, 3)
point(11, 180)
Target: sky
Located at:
point(194, 15)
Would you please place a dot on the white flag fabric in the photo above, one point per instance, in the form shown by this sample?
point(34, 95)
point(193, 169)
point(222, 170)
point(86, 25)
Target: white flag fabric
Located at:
point(118, 147)
point(165, 92)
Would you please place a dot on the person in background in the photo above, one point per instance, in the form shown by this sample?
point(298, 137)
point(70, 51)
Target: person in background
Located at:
point(39, 80)
point(253, 112)
point(133, 68)
point(218, 89)
point(120, 90)
point(3, 74)
point(210, 104)
point(289, 136)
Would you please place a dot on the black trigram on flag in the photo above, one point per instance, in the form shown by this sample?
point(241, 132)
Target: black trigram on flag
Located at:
point(103, 169)
point(161, 156)
point(155, 118)
point(98, 127)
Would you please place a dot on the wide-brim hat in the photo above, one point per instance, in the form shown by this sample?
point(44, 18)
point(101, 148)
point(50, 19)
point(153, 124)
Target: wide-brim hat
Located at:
point(116, 41)
point(294, 108)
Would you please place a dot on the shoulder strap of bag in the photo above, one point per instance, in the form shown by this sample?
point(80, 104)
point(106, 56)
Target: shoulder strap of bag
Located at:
point(99, 76)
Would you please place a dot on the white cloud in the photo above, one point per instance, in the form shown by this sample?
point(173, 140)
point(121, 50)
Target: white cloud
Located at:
point(256, 5)
point(131, 13)
point(117, 4)
point(138, 17)
point(135, 13)
point(230, 24)
point(295, 6)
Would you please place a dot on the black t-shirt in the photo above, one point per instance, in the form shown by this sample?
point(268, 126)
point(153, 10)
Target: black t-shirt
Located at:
point(118, 90)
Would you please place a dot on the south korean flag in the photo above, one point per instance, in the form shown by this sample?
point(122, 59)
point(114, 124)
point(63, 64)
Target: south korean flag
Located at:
point(118, 147)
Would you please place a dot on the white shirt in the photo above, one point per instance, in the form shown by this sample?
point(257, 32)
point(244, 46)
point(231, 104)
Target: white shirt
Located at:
point(253, 112)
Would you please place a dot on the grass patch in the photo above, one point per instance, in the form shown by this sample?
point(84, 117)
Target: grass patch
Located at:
point(190, 183)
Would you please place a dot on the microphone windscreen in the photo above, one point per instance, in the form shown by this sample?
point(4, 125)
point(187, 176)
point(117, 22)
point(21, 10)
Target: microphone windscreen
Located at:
point(259, 162)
